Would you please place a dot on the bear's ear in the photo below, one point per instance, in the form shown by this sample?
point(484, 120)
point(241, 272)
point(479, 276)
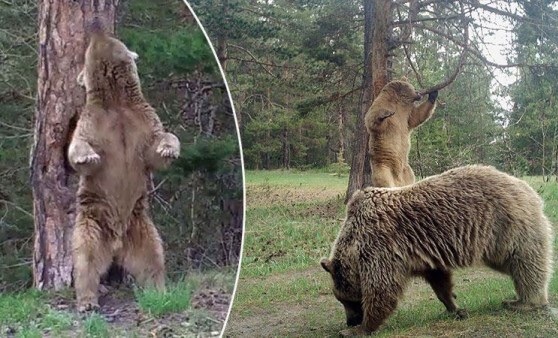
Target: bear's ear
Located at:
point(398, 87)
point(326, 264)
point(404, 78)
point(384, 114)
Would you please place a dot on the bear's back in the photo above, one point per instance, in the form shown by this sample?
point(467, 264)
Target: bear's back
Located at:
point(451, 218)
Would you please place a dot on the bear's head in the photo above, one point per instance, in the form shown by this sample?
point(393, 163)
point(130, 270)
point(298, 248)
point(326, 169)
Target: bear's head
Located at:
point(109, 67)
point(343, 269)
point(345, 289)
point(401, 92)
point(397, 99)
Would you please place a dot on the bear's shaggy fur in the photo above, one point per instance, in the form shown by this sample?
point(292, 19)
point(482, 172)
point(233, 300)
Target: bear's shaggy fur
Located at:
point(389, 122)
point(468, 215)
point(118, 140)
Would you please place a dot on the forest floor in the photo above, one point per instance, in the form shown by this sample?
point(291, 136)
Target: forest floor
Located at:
point(292, 219)
point(194, 307)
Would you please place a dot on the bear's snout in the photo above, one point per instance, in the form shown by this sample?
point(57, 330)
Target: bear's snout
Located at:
point(354, 313)
point(354, 321)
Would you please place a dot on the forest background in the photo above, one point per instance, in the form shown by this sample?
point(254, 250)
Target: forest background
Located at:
point(302, 75)
point(296, 73)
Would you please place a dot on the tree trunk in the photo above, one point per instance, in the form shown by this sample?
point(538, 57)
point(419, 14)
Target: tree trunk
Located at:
point(341, 134)
point(286, 148)
point(221, 49)
point(62, 45)
point(377, 14)
point(222, 53)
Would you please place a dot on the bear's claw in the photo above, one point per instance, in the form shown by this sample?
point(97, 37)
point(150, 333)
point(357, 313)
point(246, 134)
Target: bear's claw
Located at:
point(166, 150)
point(88, 307)
point(357, 331)
point(88, 159)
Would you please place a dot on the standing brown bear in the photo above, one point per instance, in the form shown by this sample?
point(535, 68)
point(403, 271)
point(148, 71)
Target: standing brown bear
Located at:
point(118, 140)
point(464, 216)
point(389, 121)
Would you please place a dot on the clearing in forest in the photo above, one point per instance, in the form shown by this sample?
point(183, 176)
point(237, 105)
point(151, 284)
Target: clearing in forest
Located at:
point(292, 219)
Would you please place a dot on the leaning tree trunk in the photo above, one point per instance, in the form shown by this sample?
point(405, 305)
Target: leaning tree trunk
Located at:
point(62, 43)
point(377, 14)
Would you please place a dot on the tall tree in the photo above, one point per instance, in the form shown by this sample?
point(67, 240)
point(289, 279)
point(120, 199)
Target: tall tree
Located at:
point(533, 128)
point(62, 42)
point(375, 76)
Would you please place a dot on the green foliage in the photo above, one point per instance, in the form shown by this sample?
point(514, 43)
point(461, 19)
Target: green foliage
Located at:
point(28, 315)
point(532, 132)
point(32, 332)
point(20, 308)
point(175, 299)
point(18, 59)
point(206, 154)
point(287, 86)
point(96, 326)
point(56, 321)
point(165, 53)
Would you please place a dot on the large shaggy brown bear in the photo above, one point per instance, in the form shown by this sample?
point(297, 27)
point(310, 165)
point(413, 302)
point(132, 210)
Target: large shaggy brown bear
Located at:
point(118, 140)
point(464, 216)
point(389, 121)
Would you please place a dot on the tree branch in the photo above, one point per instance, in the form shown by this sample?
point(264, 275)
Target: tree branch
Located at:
point(458, 68)
point(476, 53)
point(253, 58)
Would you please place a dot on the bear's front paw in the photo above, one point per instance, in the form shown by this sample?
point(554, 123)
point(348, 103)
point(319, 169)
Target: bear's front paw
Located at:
point(82, 156)
point(357, 331)
point(461, 314)
point(432, 96)
point(169, 147)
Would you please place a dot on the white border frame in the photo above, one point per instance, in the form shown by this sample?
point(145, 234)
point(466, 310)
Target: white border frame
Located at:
point(241, 163)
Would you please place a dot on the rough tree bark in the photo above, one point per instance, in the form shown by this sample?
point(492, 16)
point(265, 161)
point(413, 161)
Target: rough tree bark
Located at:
point(62, 44)
point(377, 14)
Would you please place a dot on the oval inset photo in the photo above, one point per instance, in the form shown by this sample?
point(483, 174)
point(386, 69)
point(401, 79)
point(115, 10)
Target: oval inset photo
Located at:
point(127, 218)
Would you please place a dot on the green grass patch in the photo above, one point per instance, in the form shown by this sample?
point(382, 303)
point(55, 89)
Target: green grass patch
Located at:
point(175, 299)
point(29, 332)
point(56, 321)
point(294, 178)
point(95, 326)
point(21, 308)
point(27, 314)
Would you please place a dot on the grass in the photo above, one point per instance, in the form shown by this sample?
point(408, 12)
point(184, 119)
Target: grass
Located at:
point(37, 314)
point(175, 299)
point(292, 219)
point(96, 326)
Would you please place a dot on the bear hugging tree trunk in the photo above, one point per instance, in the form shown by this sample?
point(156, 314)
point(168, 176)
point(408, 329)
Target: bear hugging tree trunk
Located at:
point(390, 121)
point(468, 215)
point(118, 140)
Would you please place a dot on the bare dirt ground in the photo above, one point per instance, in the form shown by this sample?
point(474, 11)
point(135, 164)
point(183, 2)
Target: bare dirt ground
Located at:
point(124, 317)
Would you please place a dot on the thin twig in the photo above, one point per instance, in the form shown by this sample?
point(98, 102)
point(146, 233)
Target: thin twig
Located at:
point(253, 58)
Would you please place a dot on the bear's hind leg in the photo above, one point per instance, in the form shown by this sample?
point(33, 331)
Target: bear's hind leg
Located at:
point(530, 277)
point(143, 253)
point(442, 284)
point(92, 257)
